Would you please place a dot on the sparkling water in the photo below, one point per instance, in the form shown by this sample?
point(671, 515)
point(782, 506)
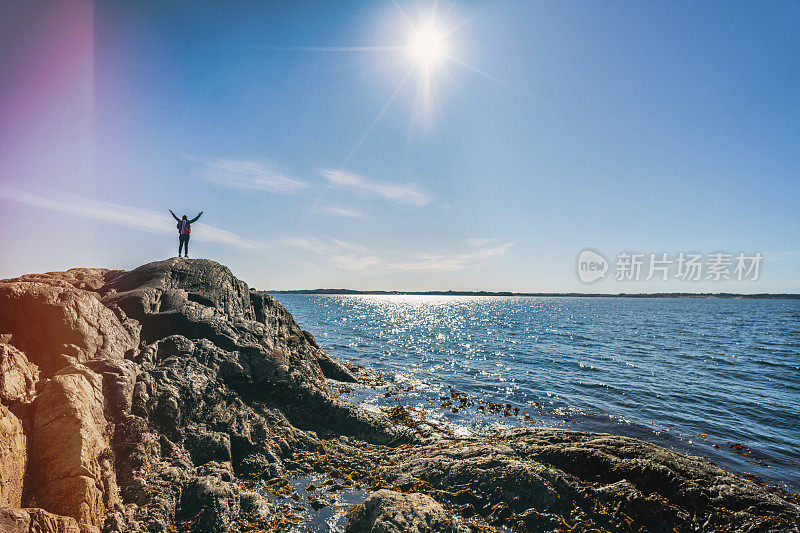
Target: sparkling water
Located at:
point(711, 377)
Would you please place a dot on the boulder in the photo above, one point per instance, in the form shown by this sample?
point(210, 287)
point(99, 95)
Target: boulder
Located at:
point(210, 504)
point(14, 520)
point(170, 285)
point(36, 521)
point(57, 326)
point(85, 279)
point(18, 376)
point(71, 465)
point(248, 339)
point(387, 511)
point(333, 369)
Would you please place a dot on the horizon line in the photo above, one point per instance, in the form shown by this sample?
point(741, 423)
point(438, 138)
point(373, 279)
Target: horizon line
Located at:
point(726, 295)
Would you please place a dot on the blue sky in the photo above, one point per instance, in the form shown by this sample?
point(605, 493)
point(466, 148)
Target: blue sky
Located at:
point(547, 128)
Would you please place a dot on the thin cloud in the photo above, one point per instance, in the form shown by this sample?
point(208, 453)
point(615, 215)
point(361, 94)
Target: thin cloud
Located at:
point(349, 246)
point(479, 242)
point(344, 212)
point(309, 244)
point(345, 255)
point(452, 262)
point(349, 256)
point(429, 264)
point(250, 175)
point(358, 263)
point(326, 246)
point(488, 252)
point(403, 193)
point(121, 215)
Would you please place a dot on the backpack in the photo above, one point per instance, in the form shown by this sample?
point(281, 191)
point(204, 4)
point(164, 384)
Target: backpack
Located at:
point(187, 227)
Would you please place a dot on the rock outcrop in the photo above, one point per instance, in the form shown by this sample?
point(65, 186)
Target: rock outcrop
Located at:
point(18, 376)
point(138, 399)
point(386, 511)
point(56, 324)
point(35, 521)
point(529, 479)
point(71, 470)
point(154, 399)
point(13, 458)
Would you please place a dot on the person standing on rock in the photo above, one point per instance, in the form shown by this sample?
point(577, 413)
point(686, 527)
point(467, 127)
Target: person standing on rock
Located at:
point(184, 231)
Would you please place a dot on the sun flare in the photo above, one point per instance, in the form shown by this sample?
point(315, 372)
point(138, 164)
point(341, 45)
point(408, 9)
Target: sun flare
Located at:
point(428, 46)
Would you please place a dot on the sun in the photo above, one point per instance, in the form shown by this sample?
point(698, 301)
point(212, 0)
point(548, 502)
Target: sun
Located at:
point(428, 46)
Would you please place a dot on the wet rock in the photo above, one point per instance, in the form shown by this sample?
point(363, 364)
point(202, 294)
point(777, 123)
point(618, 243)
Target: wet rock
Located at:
point(387, 511)
point(210, 504)
point(253, 504)
point(641, 507)
point(534, 477)
point(401, 415)
point(316, 502)
point(204, 445)
point(333, 369)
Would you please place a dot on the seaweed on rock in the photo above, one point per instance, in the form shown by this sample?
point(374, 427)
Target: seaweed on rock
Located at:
point(156, 399)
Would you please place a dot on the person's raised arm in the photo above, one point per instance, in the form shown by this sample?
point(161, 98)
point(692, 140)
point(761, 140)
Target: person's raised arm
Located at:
point(173, 215)
point(195, 218)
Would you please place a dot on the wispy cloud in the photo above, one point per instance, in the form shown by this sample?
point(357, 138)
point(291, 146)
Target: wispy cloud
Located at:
point(348, 256)
point(343, 212)
point(454, 261)
point(355, 262)
point(121, 215)
point(309, 244)
point(250, 175)
point(345, 255)
point(480, 242)
point(403, 193)
point(324, 246)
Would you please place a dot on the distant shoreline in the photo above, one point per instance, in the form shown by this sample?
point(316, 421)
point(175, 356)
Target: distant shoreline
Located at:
point(717, 295)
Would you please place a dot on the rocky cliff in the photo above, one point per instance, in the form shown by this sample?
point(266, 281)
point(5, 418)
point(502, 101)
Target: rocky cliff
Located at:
point(153, 399)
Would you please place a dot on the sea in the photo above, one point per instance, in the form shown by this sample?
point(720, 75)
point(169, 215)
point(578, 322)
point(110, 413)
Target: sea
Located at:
point(718, 378)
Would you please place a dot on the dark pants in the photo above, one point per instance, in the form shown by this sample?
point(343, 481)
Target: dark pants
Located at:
point(183, 243)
